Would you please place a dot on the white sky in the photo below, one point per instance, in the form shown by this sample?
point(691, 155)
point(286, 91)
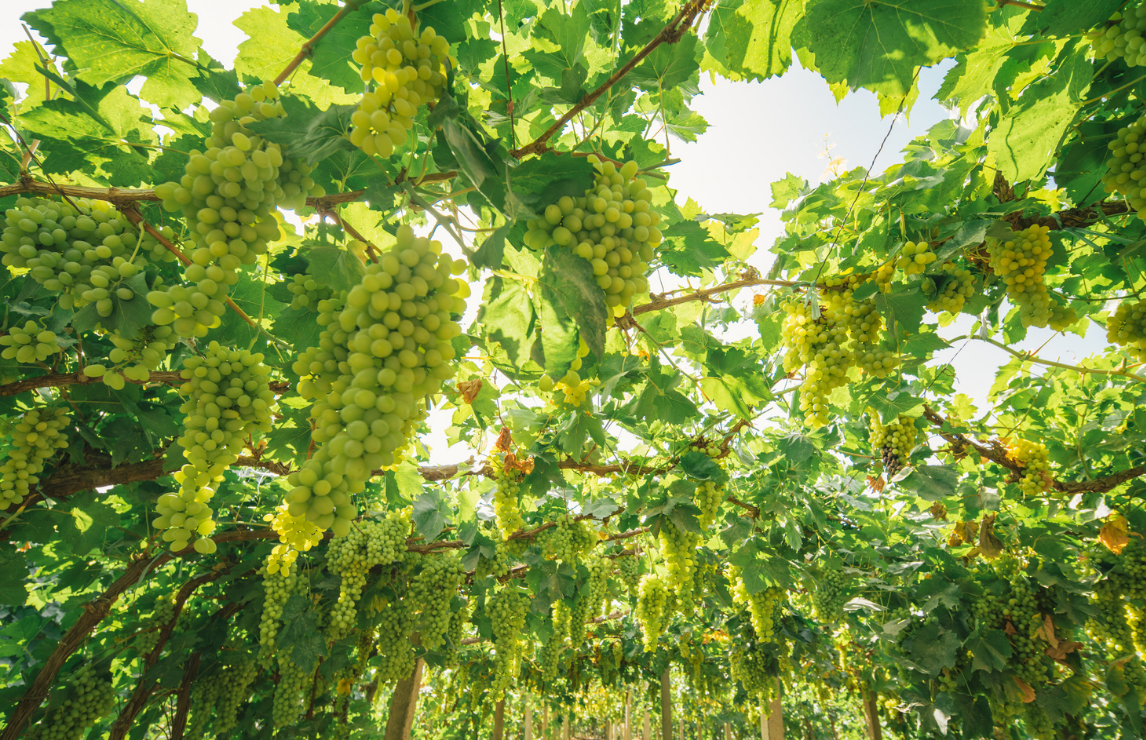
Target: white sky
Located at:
point(758, 132)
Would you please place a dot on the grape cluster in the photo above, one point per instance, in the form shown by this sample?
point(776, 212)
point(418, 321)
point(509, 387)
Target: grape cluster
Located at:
point(227, 397)
point(893, 441)
point(957, 288)
point(235, 687)
point(612, 226)
point(915, 257)
point(1032, 458)
point(308, 293)
point(506, 504)
point(748, 664)
point(630, 569)
point(830, 595)
point(1122, 38)
point(1021, 263)
point(678, 547)
point(147, 638)
point(1124, 168)
point(549, 656)
point(652, 609)
point(368, 544)
point(1017, 613)
point(571, 385)
point(90, 697)
point(459, 618)
point(296, 534)
point(33, 440)
point(860, 319)
point(386, 346)
point(29, 343)
point(278, 589)
point(819, 346)
point(204, 698)
point(407, 69)
point(507, 610)
point(291, 692)
point(228, 197)
point(432, 590)
point(761, 605)
point(709, 495)
point(1127, 328)
point(569, 541)
point(394, 624)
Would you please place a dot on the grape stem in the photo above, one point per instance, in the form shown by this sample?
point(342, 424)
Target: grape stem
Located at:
point(1029, 357)
point(1020, 4)
point(308, 46)
point(659, 303)
point(353, 232)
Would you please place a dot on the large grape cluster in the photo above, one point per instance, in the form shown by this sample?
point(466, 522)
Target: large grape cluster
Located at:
point(368, 544)
point(29, 343)
point(748, 664)
point(506, 504)
point(830, 595)
point(569, 541)
point(291, 692)
point(652, 609)
point(227, 397)
point(894, 441)
point(1122, 38)
point(308, 293)
point(957, 288)
point(819, 346)
point(90, 697)
point(433, 590)
point(507, 610)
point(1021, 263)
point(679, 547)
point(234, 688)
point(386, 346)
point(1127, 328)
point(1033, 459)
point(278, 588)
point(612, 226)
point(33, 440)
point(228, 197)
point(394, 625)
point(407, 69)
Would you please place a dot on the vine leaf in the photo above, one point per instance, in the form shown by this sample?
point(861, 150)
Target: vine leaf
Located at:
point(992, 650)
point(569, 288)
point(307, 132)
point(751, 39)
point(301, 638)
point(431, 514)
point(933, 648)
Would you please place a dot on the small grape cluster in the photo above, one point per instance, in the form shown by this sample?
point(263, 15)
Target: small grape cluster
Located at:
point(385, 347)
point(709, 495)
point(394, 624)
point(296, 534)
point(228, 197)
point(915, 257)
point(407, 69)
point(1021, 263)
point(630, 570)
point(1124, 167)
point(1122, 38)
point(652, 609)
point(549, 656)
point(893, 441)
point(507, 610)
point(29, 343)
point(761, 605)
point(351, 557)
point(819, 346)
point(1127, 328)
point(308, 293)
point(569, 541)
point(573, 387)
point(1033, 459)
point(235, 688)
point(90, 697)
point(204, 699)
point(227, 398)
point(34, 440)
point(278, 587)
point(291, 692)
point(506, 500)
point(433, 590)
point(612, 226)
point(958, 286)
point(679, 547)
point(830, 595)
point(147, 638)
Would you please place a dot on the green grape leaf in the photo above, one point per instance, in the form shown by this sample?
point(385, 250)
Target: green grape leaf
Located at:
point(290, 438)
point(329, 58)
point(115, 40)
point(559, 41)
point(306, 132)
point(992, 650)
point(751, 39)
point(338, 268)
point(688, 249)
point(973, 76)
point(431, 514)
point(507, 317)
point(699, 465)
point(668, 66)
point(934, 648)
point(128, 317)
point(298, 326)
point(879, 46)
point(786, 190)
point(301, 638)
point(1064, 17)
point(491, 253)
point(542, 180)
point(568, 286)
point(88, 520)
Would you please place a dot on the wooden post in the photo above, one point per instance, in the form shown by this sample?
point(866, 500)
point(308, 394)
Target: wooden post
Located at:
point(727, 731)
point(565, 728)
point(545, 721)
point(628, 733)
point(666, 706)
point(527, 732)
point(499, 720)
point(871, 714)
point(404, 705)
point(648, 729)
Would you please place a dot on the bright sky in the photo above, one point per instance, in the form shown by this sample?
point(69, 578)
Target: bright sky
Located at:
point(758, 132)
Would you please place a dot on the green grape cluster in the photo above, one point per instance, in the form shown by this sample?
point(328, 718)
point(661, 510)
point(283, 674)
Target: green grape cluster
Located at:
point(278, 588)
point(958, 286)
point(860, 319)
point(569, 541)
point(876, 361)
point(612, 226)
point(204, 699)
point(1124, 168)
point(227, 398)
point(1017, 613)
point(228, 198)
point(1122, 38)
point(915, 257)
point(630, 570)
point(652, 609)
point(368, 544)
point(34, 439)
point(407, 69)
point(29, 343)
point(459, 618)
point(571, 385)
point(308, 293)
point(506, 503)
point(550, 654)
point(1033, 458)
point(433, 590)
point(90, 697)
point(830, 595)
point(385, 348)
point(762, 605)
point(291, 693)
point(1021, 263)
point(235, 688)
point(599, 571)
point(748, 664)
point(1126, 328)
point(507, 610)
point(709, 496)
point(678, 548)
point(822, 348)
point(394, 624)
point(147, 638)
point(894, 441)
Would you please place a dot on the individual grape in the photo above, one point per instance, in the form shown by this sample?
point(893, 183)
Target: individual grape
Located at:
point(1021, 263)
point(433, 590)
point(34, 439)
point(506, 495)
point(507, 610)
point(1127, 328)
point(227, 399)
point(915, 257)
point(29, 343)
point(308, 293)
point(235, 688)
point(1032, 458)
point(368, 544)
point(613, 226)
point(90, 697)
point(278, 587)
point(1122, 37)
point(652, 610)
point(958, 287)
point(830, 595)
point(385, 348)
point(893, 441)
point(407, 70)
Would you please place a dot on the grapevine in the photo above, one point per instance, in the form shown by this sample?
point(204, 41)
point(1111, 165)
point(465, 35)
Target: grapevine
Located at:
point(147, 638)
point(394, 624)
point(569, 541)
point(915, 257)
point(678, 547)
point(958, 286)
point(34, 440)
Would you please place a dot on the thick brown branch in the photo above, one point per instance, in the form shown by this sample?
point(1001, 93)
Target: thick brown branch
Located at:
point(58, 380)
point(183, 703)
point(669, 34)
point(659, 304)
